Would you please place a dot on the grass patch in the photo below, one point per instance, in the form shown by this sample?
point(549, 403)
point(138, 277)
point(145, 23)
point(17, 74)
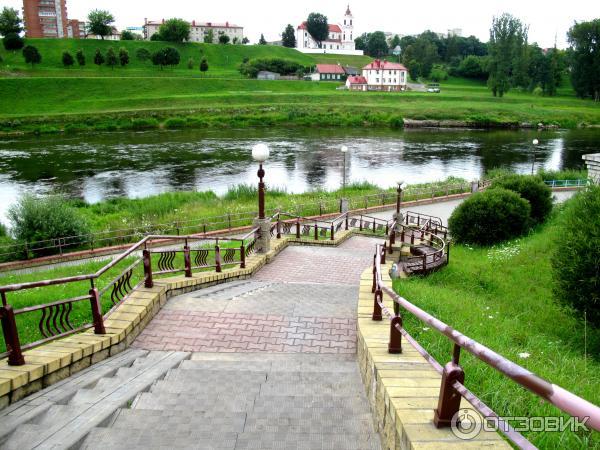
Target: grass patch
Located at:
point(502, 297)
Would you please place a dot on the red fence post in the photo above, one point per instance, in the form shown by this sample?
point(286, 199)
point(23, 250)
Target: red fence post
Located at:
point(424, 262)
point(449, 400)
point(392, 237)
point(332, 233)
point(278, 228)
point(346, 221)
point(97, 312)
point(376, 306)
point(374, 286)
point(383, 252)
point(316, 232)
point(395, 345)
point(374, 228)
point(187, 259)
point(218, 258)
point(242, 256)
point(11, 336)
point(147, 269)
point(298, 229)
point(361, 224)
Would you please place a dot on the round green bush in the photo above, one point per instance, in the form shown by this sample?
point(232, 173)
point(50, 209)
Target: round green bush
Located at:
point(489, 217)
point(531, 188)
point(43, 218)
point(576, 261)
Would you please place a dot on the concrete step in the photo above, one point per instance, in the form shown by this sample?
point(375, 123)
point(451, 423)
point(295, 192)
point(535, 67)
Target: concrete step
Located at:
point(217, 404)
point(117, 439)
point(217, 376)
point(362, 424)
point(277, 403)
point(200, 390)
point(280, 365)
point(230, 290)
point(330, 388)
point(298, 357)
point(307, 441)
point(182, 421)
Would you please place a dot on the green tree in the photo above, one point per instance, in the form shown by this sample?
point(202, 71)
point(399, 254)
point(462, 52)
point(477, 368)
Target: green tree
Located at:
point(262, 40)
point(98, 58)
point(80, 58)
point(100, 23)
point(32, 55)
point(190, 63)
point(505, 47)
point(236, 40)
point(423, 52)
point(288, 37)
point(123, 56)
point(584, 39)
point(12, 42)
point(111, 58)
point(175, 30)
point(172, 56)
point(203, 65)
point(472, 67)
point(10, 22)
point(127, 35)
point(395, 41)
point(143, 54)
point(317, 27)
point(159, 58)
point(156, 37)
point(245, 40)
point(377, 45)
point(209, 37)
point(67, 59)
point(223, 39)
point(360, 43)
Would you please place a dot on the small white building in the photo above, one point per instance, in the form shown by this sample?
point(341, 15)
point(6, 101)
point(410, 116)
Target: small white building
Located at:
point(385, 76)
point(198, 30)
point(340, 40)
point(328, 72)
point(356, 83)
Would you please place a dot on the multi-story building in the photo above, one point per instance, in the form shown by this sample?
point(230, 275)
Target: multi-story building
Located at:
point(339, 41)
point(380, 76)
point(200, 30)
point(45, 18)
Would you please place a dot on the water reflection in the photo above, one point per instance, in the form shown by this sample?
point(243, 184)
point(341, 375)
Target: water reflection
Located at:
point(136, 164)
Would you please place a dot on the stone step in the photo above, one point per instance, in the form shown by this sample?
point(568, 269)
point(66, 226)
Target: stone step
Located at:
point(282, 365)
point(308, 441)
point(229, 290)
point(331, 388)
point(362, 424)
point(218, 377)
point(276, 357)
point(182, 421)
point(116, 439)
point(217, 404)
point(268, 403)
point(199, 389)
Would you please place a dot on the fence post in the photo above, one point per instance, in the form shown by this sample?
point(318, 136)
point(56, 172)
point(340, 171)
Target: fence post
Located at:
point(278, 227)
point(376, 306)
point(361, 224)
point(97, 311)
point(60, 251)
point(11, 336)
point(366, 202)
point(374, 226)
point(374, 286)
point(187, 259)
point(387, 228)
point(229, 220)
point(147, 269)
point(218, 258)
point(383, 252)
point(243, 256)
point(424, 262)
point(346, 221)
point(392, 237)
point(449, 400)
point(395, 345)
point(297, 228)
point(332, 232)
point(316, 232)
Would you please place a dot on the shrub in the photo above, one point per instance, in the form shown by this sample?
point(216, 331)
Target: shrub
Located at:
point(143, 54)
point(12, 42)
point(576, 261)
point(143, 123)
point(489, 217)
point(40, 219)
point(438, 73)
point(175, 122)
point(277, 65)
point(533, 189)
point(67, 59)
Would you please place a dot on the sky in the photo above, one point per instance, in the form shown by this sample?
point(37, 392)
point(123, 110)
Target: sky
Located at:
point(547, 18)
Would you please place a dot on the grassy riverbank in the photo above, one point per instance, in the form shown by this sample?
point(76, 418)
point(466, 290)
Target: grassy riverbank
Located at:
point(502, 297)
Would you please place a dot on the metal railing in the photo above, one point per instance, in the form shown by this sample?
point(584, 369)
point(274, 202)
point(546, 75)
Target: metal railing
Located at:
point(452, 384)
point(567, 183)
point(56, 319)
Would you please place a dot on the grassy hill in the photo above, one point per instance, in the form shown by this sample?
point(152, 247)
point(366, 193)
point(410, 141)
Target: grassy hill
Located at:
point(223, 60)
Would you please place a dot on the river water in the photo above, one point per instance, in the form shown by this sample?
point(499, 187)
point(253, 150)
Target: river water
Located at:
point(97, 166)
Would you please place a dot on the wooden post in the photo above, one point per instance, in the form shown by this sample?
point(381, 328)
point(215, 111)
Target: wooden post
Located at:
point(395, 344)
point(148, 283)
point(11, 336)
point(346, 221)
point(298, 229)
point(278, 228)
point(187, 260)
point(316, 232)
point(332, 232)
point(424, 262)
point(449, 400)
point(243, 256)
point(97, 311)
point(218, 258)
point(376, 306)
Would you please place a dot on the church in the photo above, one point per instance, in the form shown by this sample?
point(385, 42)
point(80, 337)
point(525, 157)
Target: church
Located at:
point(340, 40)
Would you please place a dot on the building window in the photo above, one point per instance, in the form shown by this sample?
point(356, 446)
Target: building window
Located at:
point(350, 21)
point(376, 80)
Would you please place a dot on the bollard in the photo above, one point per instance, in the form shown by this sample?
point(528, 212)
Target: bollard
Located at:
point(395, 345)
point(378, 297)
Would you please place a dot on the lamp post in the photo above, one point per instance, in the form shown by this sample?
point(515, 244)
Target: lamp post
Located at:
point(344, 150)
point(260, 153)
point(399, 196)
point(535, 142)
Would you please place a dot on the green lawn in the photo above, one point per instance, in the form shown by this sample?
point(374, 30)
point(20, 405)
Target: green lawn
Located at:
point(502, 297)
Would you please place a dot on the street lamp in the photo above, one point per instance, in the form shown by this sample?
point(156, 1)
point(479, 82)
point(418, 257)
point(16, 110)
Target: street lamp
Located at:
point(399, 196)
point(260, 153)
point(535, 142)
point(344, 151)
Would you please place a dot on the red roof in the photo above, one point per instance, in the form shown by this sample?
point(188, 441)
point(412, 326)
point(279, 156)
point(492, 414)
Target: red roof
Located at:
point(357, 80)
point(332, 28)
point(330, 68)
point(384, 65)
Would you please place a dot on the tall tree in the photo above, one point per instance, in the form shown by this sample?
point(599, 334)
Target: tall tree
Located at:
point(32, 55)
point(111, 58)
point(175, 30)
point(123, 56)
point(360, 43)
point(127, 35)
point(203, 65)
point(584, 38)
point(80, 58)
point(98, 58)
point(317, 27)
point(377, 45)
point(395, 41)
point(67, 59)
point(100, 23)
point(172, 56)
point(506, 43)
point(262, 40)
point(245, 40)
point(143, 54)
point(209, 37)
point(288, 37)
point(10, 22)
point(159, 58)
point(422, 54)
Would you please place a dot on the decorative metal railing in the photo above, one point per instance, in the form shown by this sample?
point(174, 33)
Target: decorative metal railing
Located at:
point(61, 318)
point(452, 386)
point(567, 183)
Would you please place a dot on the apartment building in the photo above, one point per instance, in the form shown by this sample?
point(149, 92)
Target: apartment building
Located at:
point(46, 19)
point(198, 30)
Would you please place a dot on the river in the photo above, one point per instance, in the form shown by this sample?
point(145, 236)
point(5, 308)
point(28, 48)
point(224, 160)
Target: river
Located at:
point(98, 166)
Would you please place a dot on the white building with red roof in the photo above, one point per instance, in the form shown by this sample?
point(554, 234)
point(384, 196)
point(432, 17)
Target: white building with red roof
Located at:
point(200, 30)
point(340, 40)
point(328, 72)
point(382, 76)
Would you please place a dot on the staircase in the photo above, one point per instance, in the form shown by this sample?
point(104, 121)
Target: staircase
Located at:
point(247, 401)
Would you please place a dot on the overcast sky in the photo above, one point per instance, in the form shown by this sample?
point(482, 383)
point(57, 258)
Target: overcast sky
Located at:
point(547, 18)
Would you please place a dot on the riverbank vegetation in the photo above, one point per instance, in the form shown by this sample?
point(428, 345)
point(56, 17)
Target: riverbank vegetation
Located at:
point(502, 296)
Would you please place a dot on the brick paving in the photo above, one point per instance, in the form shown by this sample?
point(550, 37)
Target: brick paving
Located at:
point(304, 301)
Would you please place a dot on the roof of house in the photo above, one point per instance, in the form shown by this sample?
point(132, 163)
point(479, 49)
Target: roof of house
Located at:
point(357, 80)
point(332, 27)
point(330, 68)
point(384, 65)
point(351, 70)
